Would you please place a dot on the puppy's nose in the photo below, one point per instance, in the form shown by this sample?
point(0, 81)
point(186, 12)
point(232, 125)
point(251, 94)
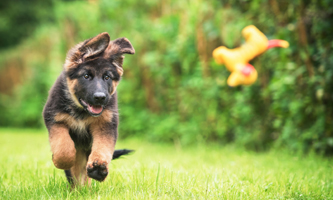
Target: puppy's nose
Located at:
point(99, 96)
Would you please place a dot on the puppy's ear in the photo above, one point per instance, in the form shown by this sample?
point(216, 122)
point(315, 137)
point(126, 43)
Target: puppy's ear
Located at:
point(87, 50)
point(115, 51)
point(94, 46)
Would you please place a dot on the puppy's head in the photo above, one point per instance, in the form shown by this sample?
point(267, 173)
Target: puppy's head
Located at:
point(93, 69)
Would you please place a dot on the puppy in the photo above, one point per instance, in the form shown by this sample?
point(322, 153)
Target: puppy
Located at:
point(81, 112)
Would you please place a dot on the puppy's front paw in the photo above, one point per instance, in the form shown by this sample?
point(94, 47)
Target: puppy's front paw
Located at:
point(98, 170)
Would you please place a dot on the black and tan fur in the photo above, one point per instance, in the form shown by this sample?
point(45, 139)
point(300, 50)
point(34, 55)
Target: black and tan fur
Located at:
point(81, 112)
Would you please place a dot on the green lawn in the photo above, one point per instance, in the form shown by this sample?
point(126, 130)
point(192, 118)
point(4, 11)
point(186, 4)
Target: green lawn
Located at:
point(160, 171)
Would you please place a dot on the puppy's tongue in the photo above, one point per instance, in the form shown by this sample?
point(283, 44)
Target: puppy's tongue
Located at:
point(95, 109)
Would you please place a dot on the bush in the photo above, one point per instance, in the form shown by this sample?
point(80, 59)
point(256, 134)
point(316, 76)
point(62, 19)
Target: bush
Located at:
point(172, 89)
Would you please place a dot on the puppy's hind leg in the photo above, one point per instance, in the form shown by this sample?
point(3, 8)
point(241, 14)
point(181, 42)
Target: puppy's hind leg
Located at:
point(69, 176)
point(77, 175)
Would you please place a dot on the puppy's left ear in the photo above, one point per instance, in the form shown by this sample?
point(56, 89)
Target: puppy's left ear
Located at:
point(116, 50)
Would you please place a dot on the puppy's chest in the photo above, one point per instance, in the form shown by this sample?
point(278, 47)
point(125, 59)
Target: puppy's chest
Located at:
point(76, 126)
point(80, 134)
point(83, 126)
point(80, 127)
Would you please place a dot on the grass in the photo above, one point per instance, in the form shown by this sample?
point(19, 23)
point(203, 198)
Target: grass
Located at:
point(161, 171)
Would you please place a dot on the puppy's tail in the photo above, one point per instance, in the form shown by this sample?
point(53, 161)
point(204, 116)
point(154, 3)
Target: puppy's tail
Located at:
point(121, 152)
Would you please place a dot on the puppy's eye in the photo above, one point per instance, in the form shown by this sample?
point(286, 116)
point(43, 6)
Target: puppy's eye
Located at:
point(86, 76)
point(106, 77)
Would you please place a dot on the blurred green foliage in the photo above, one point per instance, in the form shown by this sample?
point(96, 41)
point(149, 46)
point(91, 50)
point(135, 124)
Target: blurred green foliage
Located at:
point(172, 90)
point(19, 18)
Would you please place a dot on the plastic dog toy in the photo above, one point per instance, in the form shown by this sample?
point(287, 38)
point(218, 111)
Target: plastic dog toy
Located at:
point(237, 60)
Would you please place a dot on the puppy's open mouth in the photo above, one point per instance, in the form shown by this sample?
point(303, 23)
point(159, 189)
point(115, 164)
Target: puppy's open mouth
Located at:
point(94, 110)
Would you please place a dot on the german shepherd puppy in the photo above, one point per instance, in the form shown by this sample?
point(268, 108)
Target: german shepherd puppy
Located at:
point(81, 112)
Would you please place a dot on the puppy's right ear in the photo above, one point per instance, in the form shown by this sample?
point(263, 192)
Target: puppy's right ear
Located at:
point(94, 46)
point(87, 50)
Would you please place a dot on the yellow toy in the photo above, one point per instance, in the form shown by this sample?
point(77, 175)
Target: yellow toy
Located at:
point(237, 60)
